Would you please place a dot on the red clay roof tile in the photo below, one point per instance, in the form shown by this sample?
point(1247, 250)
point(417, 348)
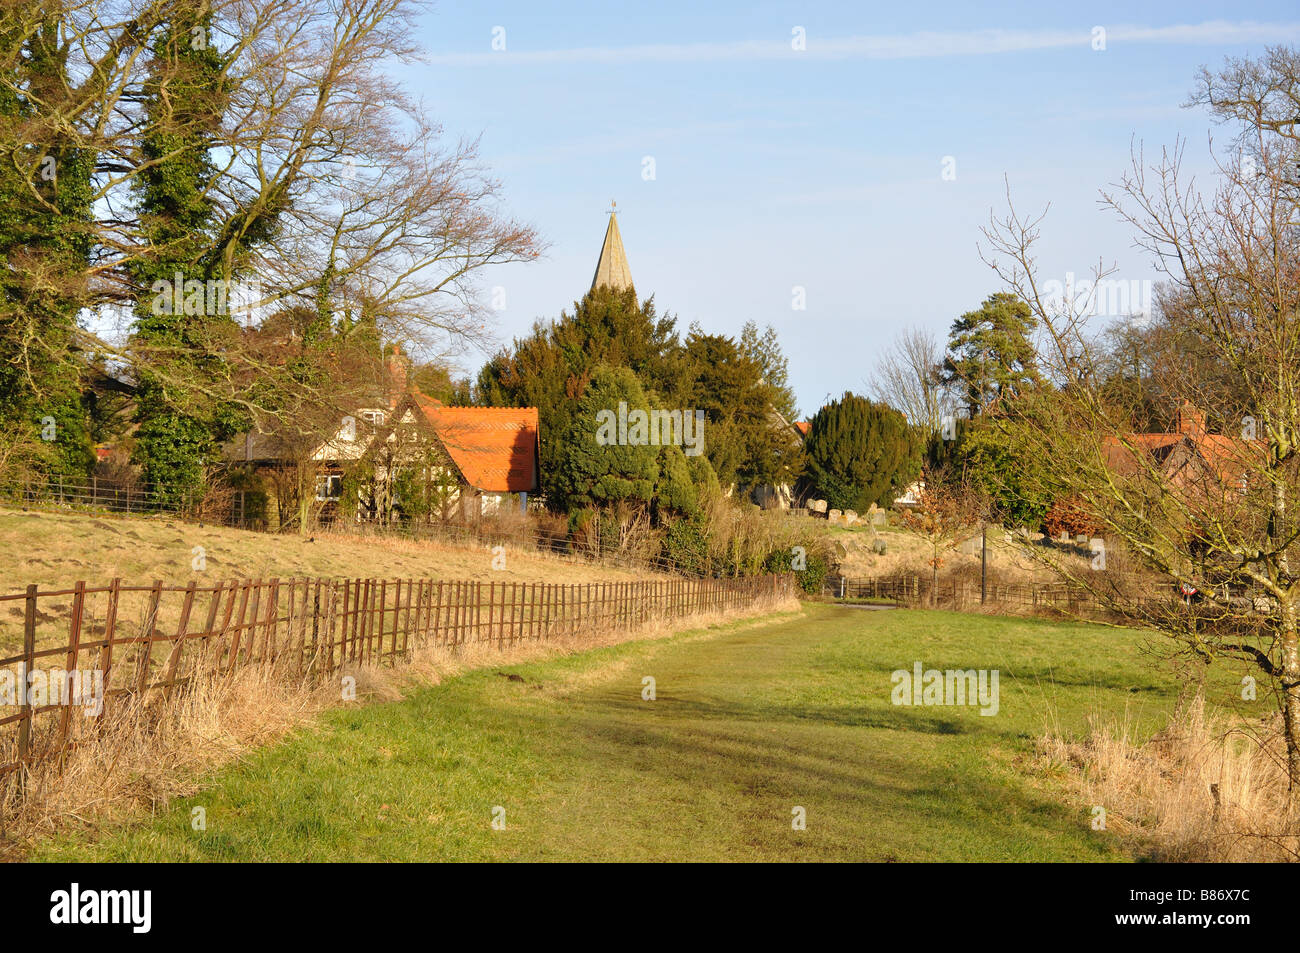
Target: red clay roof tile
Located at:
point(494, 447)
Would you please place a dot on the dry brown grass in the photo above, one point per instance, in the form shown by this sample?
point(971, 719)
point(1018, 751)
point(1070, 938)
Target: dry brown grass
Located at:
point(1205, 788)
point(145, 754)
point(142, 756)
point(1010, 563)
point(55, 549)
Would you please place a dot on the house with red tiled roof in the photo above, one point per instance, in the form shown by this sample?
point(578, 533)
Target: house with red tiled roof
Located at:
point(478, 457)
point(1189, 457)
point(1200, 470)
point(409, 456)
point(280, 461)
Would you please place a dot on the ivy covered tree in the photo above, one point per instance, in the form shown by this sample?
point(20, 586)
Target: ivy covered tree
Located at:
point(45, 240)
point(152, 153)
point(179, 427)
point(860, 452)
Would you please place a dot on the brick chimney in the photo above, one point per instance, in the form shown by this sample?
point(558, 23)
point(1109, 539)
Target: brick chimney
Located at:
point(1191, 422)
point(396, 376)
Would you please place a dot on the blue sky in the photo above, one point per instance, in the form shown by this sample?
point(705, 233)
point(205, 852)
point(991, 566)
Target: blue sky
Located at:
point(820, 168)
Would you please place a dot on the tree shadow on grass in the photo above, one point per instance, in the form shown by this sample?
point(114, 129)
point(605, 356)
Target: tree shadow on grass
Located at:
point(933, 805)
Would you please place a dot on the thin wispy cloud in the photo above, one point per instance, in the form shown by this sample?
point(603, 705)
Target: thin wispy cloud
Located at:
point(891, 47)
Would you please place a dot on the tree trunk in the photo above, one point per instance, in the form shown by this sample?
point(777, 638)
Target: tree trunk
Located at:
point(304, 513)
point(1290, 683)
point(306, 491)
point(1290, 676)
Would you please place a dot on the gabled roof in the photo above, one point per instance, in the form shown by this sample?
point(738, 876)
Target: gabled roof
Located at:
point(612, 268)
point(1225, 456)
point(495, 448)
point(348, 442)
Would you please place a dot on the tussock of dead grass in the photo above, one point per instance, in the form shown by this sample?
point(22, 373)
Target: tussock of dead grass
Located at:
point(1204, 788)
point(144, 755)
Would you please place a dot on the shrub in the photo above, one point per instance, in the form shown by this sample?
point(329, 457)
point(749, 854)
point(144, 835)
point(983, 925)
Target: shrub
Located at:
point(1068, 516)
point(686, 545)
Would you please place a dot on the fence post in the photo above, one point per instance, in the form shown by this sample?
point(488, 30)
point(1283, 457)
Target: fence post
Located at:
point(173, 663)
point(29, 659)
point(110, 628)
point(333, 620)
point(272, 620)
point(548, 592)
point(404, 627)
point(421, 612)
point(383, 607)
point(74, 646)
point(437, 613)
point(239, 625)
point(315, 628)
point(478, 612)
point(151, 620)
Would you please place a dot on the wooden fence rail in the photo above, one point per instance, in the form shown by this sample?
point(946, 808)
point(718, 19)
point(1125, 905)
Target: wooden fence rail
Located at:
point(88, 647)
point(921, 591)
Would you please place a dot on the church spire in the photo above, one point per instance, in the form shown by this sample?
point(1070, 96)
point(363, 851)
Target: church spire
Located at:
point(612, 268)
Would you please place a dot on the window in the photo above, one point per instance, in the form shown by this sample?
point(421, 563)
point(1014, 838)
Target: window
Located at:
point(329, 486)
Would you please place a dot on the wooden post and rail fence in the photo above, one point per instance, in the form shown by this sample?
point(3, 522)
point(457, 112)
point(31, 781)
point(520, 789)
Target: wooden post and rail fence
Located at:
point(921, 591)
point(89, 649)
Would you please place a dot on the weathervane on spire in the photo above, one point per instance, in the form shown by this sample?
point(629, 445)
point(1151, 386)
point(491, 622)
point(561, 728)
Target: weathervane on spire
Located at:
point(613, 207)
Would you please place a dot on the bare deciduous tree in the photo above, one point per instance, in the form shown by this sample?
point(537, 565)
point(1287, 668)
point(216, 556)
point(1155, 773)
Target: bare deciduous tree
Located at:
point(329, 179)
point(1215, 513)
point(906, 377)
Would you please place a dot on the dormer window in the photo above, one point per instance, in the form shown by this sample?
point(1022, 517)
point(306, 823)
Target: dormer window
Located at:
point(375, 417)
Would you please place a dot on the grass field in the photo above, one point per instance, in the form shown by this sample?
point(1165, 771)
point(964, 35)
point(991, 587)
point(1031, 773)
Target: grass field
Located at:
point(54, 549)
point(750, 721)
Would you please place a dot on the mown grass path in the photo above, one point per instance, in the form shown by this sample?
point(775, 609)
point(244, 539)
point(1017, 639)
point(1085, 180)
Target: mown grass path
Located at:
point(749, 722)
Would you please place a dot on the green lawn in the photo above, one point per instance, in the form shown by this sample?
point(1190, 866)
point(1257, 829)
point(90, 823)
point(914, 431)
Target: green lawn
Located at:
point(749, 722)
